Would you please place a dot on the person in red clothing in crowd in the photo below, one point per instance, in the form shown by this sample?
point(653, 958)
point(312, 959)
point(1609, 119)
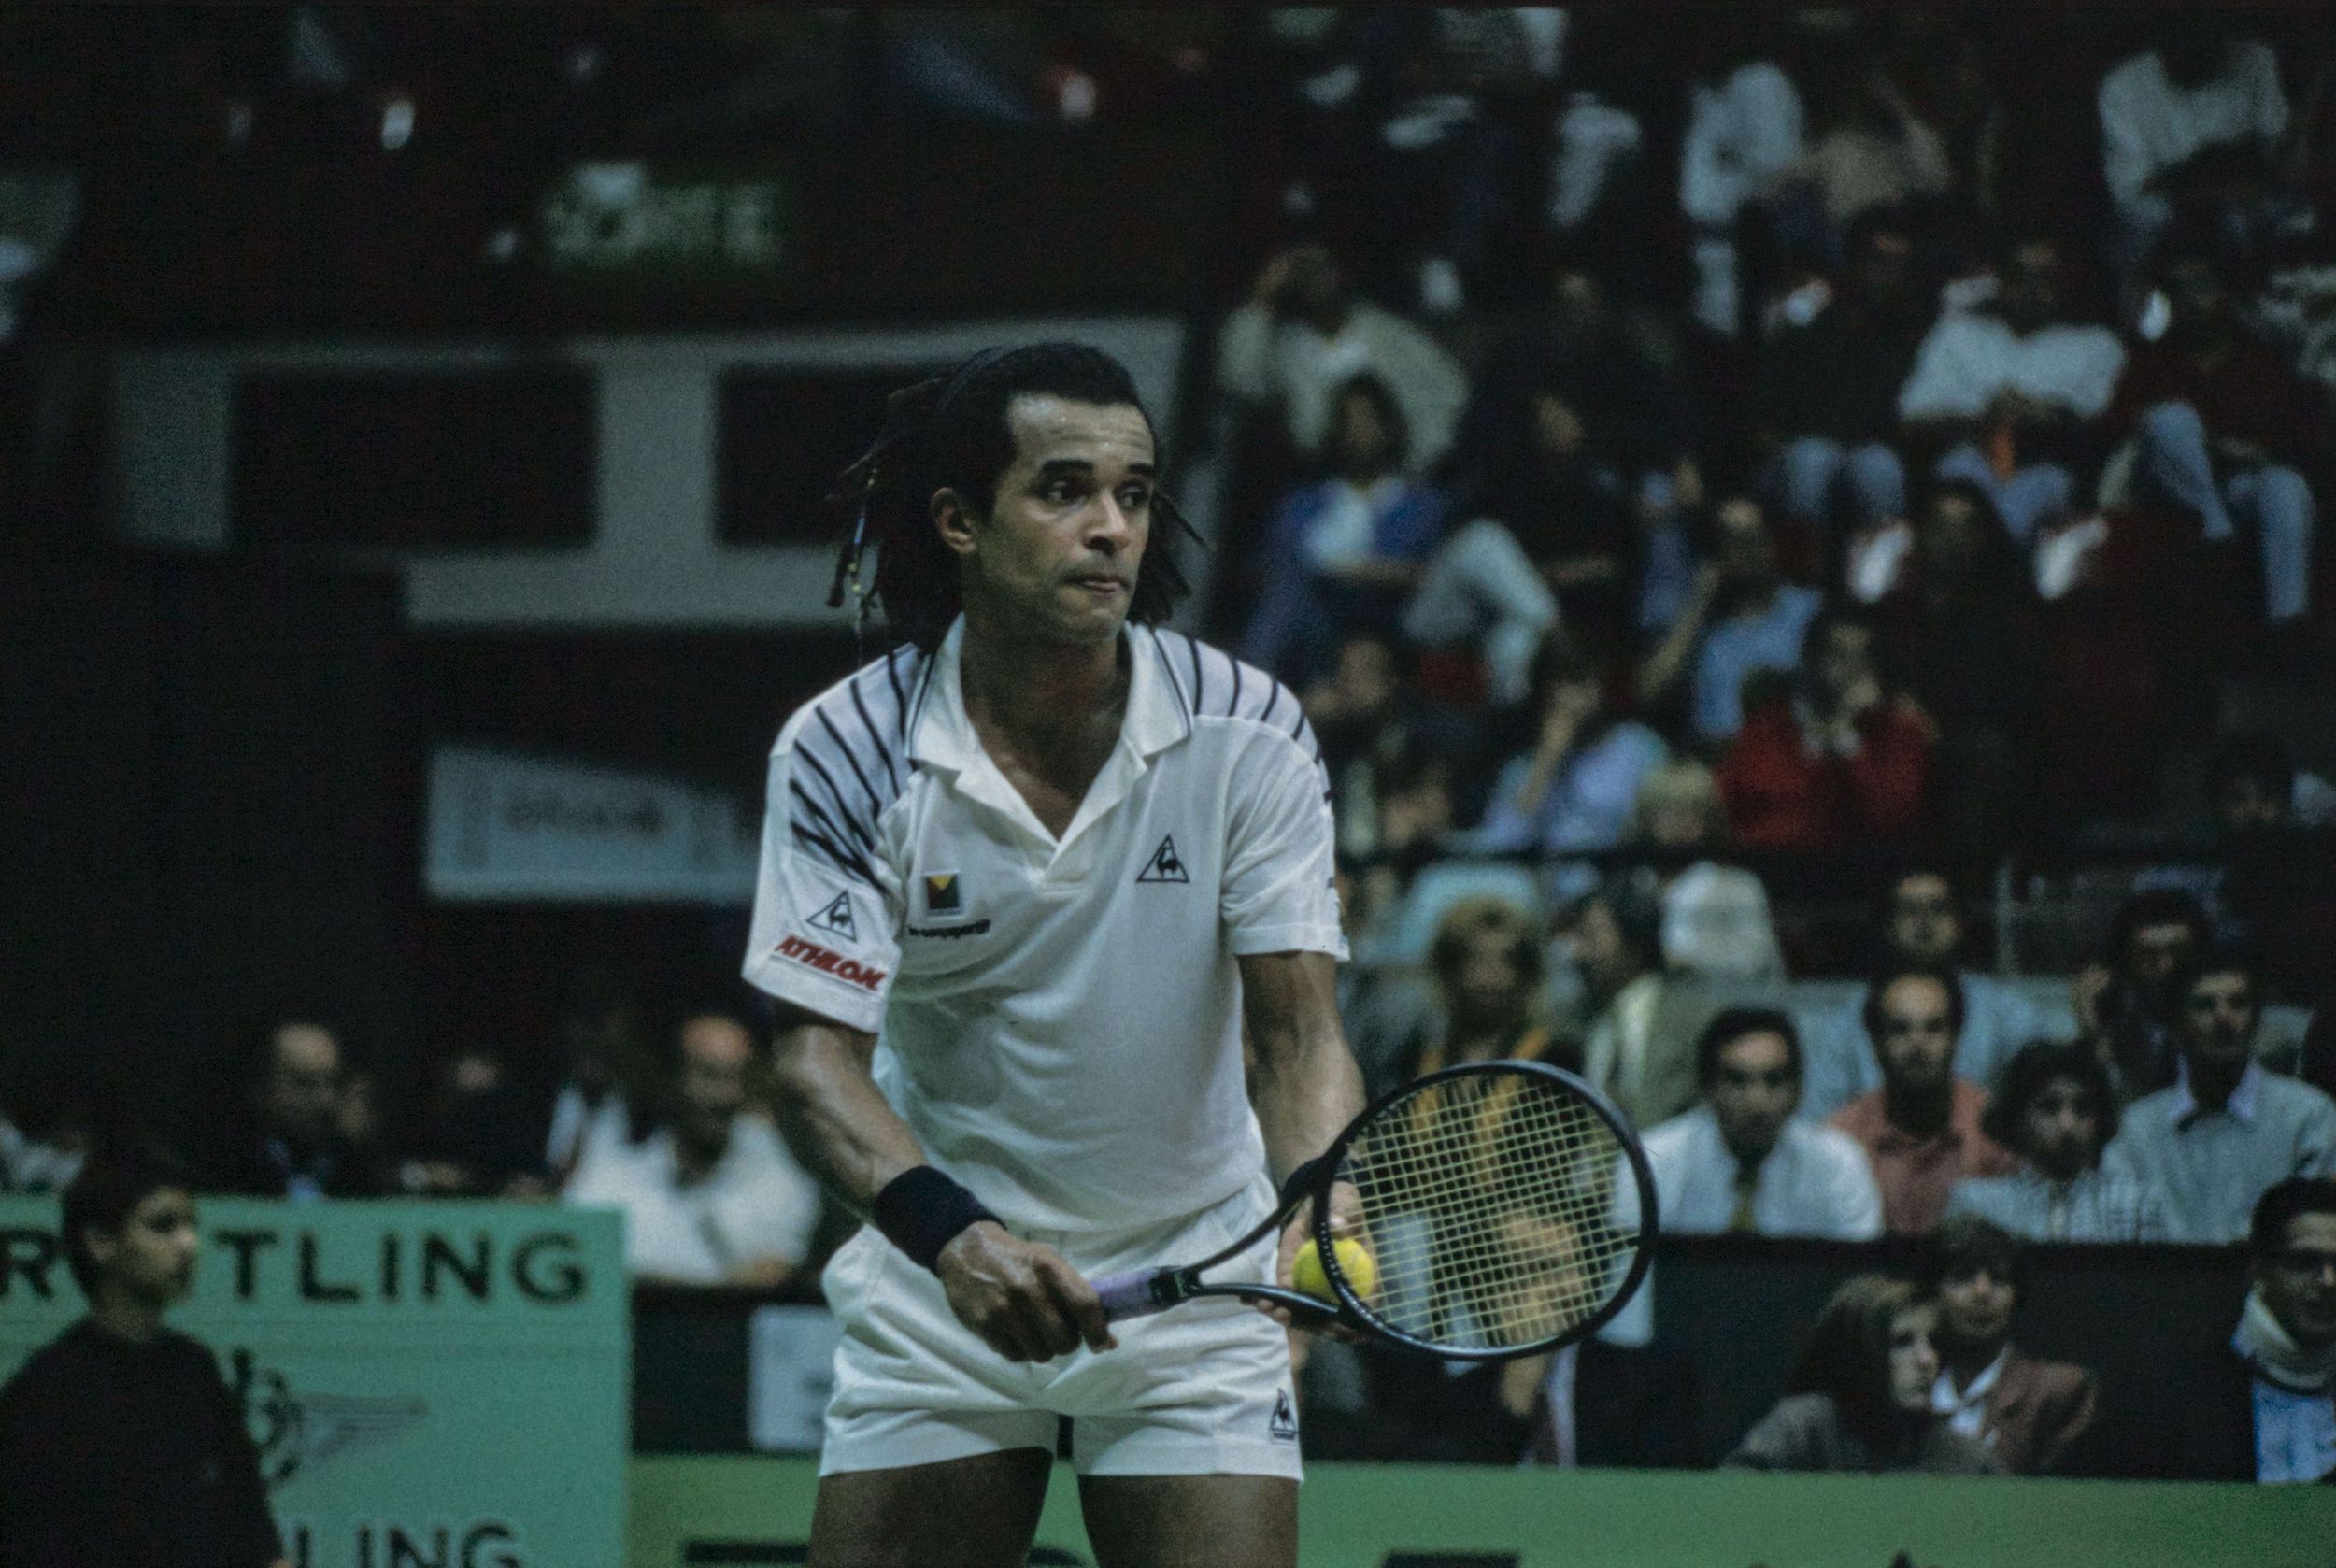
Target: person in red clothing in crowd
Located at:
point(1836, 759)
point(2221, 428)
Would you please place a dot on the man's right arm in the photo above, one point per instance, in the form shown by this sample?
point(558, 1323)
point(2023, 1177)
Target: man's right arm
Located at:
point(1023, 1300)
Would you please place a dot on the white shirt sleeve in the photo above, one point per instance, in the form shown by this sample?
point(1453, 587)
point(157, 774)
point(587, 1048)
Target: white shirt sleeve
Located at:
point(827, 907)
point(1244, 352)
point(1949, 380)
point(2125, 160)
point(1277, 895)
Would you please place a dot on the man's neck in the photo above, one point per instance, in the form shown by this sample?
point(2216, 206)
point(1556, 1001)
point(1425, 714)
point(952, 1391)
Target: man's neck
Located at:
point(1038, 693)
point(2211, 1085)
point(694, 1160)
point(1965, 1360)
point(1923, 1113)
point(125, 1318)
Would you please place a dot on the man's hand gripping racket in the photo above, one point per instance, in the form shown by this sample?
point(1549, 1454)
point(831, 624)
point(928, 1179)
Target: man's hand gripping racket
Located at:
point(1500, 1209)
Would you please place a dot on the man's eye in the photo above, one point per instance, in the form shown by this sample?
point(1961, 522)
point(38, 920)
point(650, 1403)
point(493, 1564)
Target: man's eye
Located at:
point(1136, 498)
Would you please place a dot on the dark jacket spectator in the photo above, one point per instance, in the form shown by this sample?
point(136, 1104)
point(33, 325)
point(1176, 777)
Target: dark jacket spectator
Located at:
point(294, 1146)
point(2028, 1412)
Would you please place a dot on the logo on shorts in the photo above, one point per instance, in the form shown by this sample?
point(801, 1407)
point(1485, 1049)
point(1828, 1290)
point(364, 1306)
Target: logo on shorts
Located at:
point(812, 956)
point(942, 894)
point(1284, 1428)
point(836, 918)
point(1165, 866)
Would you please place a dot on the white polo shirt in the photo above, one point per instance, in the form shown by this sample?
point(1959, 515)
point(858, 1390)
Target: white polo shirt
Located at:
point(1058, 1020)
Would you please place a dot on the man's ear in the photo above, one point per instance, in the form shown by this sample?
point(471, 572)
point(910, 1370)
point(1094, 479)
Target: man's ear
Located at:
point(953, 521)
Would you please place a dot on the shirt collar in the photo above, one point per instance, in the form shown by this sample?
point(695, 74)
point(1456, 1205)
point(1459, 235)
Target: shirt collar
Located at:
point(2185, 1108)
point(942, 735)
point(1944, 1401)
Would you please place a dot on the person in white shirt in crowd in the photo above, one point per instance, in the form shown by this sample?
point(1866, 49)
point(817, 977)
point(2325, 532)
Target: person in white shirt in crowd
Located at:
point(2199, 114)
point(599, 1026)
point(1744, 139)
point(1741, 1161)
point(1716, 923)
point(2226, 1130)
point(1303, 336)
point(1922, 923)
point(712, 1196)
point(2012, 388)
point(2054, 1107)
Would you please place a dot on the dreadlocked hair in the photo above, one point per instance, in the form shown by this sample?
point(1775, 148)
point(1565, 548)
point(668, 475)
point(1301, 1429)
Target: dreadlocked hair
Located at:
point(950, 432)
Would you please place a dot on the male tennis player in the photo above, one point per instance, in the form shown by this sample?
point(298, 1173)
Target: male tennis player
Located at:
point(1023, 881)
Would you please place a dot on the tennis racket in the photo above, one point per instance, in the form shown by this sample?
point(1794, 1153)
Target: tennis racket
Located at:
point(1506, 1207)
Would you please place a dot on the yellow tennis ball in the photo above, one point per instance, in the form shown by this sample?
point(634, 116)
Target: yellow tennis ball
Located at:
point(1307, 1274)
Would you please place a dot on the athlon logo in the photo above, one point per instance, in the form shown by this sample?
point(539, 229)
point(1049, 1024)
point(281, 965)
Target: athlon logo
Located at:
point(296, 1433)
point(1284, 1428)
point(1165, 866)
point(836, 918)
point(812, 956)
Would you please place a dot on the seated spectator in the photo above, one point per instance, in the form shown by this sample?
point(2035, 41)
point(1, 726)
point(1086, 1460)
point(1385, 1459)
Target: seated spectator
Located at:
point(1716, 918)
point(1840, 761)
point(1828, 392)
point(120, 1442)
point(1921, 924)
point(1486, 967)
point(2221, 429)
point(2263, 1406)
point(1921, 1128)
point(1872, 149)
point(1740, 1162)
point(1633, 1050)
point(1414, 824)
point(2012, 388)
point(1344, 552)
point(293, 1147)
point(473, 1141)
point(1744, 137)
point(1961, 628)
point(599, 1026)
point(1576, 788)
point(2123, 1003)
point(2025, 1411)
point(2227, 1130)
point(1741, 619)
point(2193, 121)
point(1303, 336)
point(2054, 1108)
point(711, 1196)
point(1366, 716)
point(44, 1138)
point(1859, 1397)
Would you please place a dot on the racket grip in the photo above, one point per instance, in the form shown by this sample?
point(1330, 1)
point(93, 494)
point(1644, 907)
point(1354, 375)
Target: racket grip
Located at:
point(1132, 1293)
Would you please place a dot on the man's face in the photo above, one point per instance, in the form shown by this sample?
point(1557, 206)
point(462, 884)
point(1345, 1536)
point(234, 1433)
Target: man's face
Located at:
point(714, 1056)
point(1883, 272)
point(1489, 990)
point(1056, 560)
point(2061, 1125)
point(1747, 553)
point(2029, 295)
point(1754, 1091)
point(2216, 1021)
point(1923, 925)
point(1975, 1308)
point(2298, 1281)
point(2152, 955)
point(299, 1100)
point(151, 1259)
point(1913, 1361)
point(1915, 1041)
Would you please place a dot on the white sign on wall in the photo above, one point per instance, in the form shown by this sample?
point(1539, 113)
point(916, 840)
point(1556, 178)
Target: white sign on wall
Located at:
point(506, 827)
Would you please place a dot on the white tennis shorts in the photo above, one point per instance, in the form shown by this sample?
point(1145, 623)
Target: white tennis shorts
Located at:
point(1202, 1388)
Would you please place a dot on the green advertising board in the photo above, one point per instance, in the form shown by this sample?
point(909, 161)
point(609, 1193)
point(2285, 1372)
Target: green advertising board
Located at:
point(440, 1384)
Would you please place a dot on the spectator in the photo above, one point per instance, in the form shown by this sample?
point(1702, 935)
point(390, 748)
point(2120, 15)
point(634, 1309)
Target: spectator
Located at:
point(711, 1197)
point(1860, 1398)
point(599, 1024)
point(1922, 925)
point(1921, 1128)
point(1635, 1048)
point(1741, 619)
point(120, 1443)
point(1716, 919)
point(44, 1138)
point(1414, 797)
point(2198, 118)
point(1961, 628)
point(1344, 552)
point(1303, 336)
point(1486, 964)
point(2010, 389)
point(2227, 1130)
point(474, 1142)
point(1365, 718)
point(2221, 429)
point(1576, 788)
point(1744, 137)
point(1830, 388)
point(2054, 1107)
point(2027, 1412)
point(1839, 761)
point(1874, 152)
point(2264, 1407)
point(1741, 1162)
point(2125, 1004)
point(293, 1147)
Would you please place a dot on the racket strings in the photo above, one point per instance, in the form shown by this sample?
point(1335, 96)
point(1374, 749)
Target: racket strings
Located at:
point(1487, 1203)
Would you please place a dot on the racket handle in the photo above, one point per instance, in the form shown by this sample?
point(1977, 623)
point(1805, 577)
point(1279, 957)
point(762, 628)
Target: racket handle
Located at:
point(1134, 1293)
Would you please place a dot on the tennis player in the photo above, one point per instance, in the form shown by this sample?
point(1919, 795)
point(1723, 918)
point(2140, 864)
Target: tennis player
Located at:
point(1024, 880)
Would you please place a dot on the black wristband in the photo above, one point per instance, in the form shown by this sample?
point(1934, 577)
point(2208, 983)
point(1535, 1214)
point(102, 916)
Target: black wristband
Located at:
point(920, 1211)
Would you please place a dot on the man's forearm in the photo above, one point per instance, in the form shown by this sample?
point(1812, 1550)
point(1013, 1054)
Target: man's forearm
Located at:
point(1306, 1086)
point(835, 1120)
